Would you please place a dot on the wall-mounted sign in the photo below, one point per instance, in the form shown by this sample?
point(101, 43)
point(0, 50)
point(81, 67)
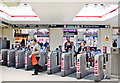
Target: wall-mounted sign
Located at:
point(70, 31)
point(106, 38)
point(94, 26)
point(70, 26)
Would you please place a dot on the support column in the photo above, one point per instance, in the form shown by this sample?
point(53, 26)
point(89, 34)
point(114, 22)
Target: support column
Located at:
point(55, 38)
point(8, 33)
point(103, 33)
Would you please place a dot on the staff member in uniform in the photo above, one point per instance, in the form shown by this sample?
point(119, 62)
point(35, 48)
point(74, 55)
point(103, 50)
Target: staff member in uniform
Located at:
point(68, 45)
point(36, 52)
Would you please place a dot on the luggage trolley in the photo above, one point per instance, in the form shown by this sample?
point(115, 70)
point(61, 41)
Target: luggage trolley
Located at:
point(11, 58)
point(19, 59)
point(3, 57)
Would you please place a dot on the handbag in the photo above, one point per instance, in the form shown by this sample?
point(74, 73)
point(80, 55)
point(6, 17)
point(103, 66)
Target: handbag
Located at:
point(34, 60)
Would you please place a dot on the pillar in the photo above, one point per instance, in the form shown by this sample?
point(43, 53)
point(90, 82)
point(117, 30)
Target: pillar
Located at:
point(8, 33)
point(55, 38)
point(103, 33)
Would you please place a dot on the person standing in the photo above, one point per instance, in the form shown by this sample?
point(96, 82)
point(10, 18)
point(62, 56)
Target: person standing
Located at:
point(23, 43)
point(68, 45)
point(36, 52)
point(82, 48)
point(46, 44)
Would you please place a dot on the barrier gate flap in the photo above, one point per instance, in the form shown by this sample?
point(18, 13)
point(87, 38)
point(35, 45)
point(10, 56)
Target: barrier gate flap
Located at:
point(8, 57)
point(48, 64)
point(78, 64)
point(25, 58)
point(16, 58)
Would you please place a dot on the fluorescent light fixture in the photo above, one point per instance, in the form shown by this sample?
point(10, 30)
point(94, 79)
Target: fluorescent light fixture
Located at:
point(23, 12)
point(97, 12)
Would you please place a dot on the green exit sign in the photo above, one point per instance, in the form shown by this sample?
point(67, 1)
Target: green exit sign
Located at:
point(71, 26)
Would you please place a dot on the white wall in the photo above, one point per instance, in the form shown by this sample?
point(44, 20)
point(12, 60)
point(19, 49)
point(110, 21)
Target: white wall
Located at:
point(55, 38)
point(101, 39)
point(8, 33)
point(1, 32)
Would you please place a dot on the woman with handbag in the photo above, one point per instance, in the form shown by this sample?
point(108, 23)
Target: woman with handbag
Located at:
point(35, 57)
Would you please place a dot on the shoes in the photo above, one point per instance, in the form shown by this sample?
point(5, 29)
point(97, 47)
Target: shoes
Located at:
point(34, 74)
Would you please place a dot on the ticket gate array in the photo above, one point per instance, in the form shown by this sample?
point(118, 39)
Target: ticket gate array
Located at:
point(11, 58)
point(53, 64)
point(66, 67)
point(3, 57)
point(19, 59)
point(28, 62)
point(82, 69)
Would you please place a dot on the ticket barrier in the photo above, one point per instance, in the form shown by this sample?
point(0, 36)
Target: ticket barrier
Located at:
point(87, 52)
point(11, 58)
point(42, 61)
point(19, 59)
point(112, 66)
point(3, 57)
point(66, 67)
point(105, 57)
point(91, 59)
point(46, 54)
point(53, 65)
point(98, 69)
point(28, 62)
point(82, 69)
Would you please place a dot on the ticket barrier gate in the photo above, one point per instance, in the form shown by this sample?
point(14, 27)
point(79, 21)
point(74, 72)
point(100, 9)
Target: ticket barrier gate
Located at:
point(46, 54)
point(11, 58)
point(98, 69)
point(28, 62)
point(42, 61)
point(53, 65)
point(105, 57)
point(82, 69)
point(88, 57)
point(66, 67)
point(112, 66)
point(3, 57)
point(91, 59)
point(19, 59)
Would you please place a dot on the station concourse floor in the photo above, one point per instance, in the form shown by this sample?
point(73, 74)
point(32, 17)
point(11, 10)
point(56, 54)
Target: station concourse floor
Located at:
point(12, 74)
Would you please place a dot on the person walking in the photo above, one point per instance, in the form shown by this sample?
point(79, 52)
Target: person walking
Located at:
point(36, 56)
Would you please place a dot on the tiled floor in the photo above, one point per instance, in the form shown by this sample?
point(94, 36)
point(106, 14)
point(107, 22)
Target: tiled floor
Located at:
point(12, 74)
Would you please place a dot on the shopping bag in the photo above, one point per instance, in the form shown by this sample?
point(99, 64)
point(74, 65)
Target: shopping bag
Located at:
point(34, 60)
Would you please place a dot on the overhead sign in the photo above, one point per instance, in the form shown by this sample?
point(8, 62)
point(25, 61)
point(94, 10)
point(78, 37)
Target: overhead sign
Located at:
point(94, 26)
point(70, 26)
point(70, 31)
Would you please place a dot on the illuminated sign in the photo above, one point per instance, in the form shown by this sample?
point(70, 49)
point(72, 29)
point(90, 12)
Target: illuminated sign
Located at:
point(94, 26)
